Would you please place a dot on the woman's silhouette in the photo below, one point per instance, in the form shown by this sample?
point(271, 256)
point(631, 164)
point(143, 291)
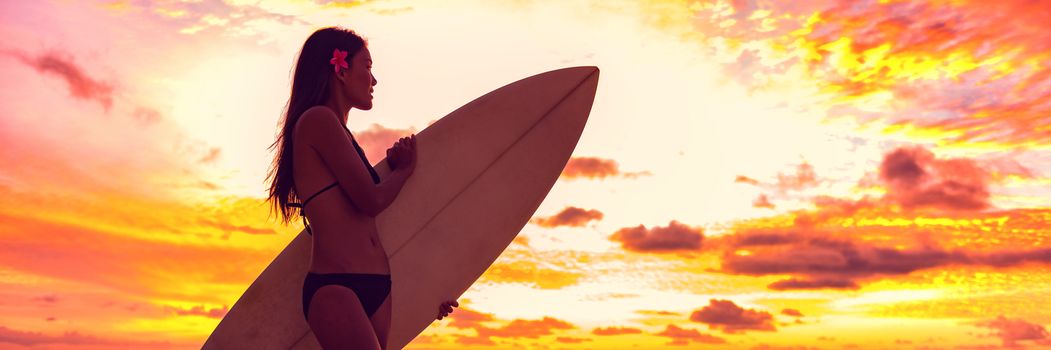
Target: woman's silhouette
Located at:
point(346, 294)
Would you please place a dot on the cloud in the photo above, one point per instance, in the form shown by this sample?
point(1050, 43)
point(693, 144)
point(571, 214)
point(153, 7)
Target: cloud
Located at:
point(794, 284)
point(218, 18)
point(468, 318)
point(819, 259)
point(518, 328)
point(570, 216)
point(961, 71)
point(595, 168)
point(616, 331)
point(673, 237)
point(201, 310)
point(38, 339)
point(803, 178)
point(531, 272)
point(571, 340)
point(123, 263)
point(916, 179)
point(228, 228)
point(212, 156)
point(792, 312)
point(762, 202)
point(1013, 331)
point(47, 299)
point(683, 336)
point(81, 85)
point(377, 139)
point(746, 180)
point(726, 316)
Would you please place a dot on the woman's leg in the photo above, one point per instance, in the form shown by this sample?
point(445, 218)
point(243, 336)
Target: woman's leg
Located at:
point(338, 320)
point(381, 322)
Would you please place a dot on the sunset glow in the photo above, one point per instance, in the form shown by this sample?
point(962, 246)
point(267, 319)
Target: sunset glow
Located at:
point(753, 174)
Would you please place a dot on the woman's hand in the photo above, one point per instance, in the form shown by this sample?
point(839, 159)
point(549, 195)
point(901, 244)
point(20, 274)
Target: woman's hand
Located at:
point(447, 308)
point(403, 154)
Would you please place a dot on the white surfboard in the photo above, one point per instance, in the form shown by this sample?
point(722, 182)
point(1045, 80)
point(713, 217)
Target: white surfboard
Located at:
point(481, 173)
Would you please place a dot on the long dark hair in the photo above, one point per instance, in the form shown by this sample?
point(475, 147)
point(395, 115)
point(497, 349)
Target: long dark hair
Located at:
point(309, 88)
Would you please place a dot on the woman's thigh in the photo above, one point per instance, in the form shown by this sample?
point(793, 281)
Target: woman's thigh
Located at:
point(381, 322)
point(339, 321)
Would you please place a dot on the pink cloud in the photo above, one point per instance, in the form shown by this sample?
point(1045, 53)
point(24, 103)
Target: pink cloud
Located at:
point(80, 84)
point(1013, 331)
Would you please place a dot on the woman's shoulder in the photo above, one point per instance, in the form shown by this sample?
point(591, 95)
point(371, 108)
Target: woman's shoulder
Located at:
point(314, 117)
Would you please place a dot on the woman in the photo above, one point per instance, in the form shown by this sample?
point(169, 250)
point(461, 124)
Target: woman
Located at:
point(346, 294)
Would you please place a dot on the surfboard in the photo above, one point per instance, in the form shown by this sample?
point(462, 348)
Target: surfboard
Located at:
point(481, 173)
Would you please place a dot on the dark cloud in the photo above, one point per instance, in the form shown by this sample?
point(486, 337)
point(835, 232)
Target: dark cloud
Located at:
point(726, 316)
point(683, 336)
point(570, 216)
point(673, 237)
point(793, 284)
point(1013, 331)
point(819, 260)
point(594, 168)
point(80, 84)
point(792, 312)
point(615, 331)
point(916, 179)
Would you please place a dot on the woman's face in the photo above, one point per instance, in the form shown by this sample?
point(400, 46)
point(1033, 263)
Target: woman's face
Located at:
point(358, 80)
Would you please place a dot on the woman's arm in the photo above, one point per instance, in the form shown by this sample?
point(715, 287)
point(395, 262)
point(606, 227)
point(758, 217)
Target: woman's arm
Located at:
point(326, 135)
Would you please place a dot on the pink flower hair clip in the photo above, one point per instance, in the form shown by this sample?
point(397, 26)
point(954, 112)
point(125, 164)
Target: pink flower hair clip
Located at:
point(339, 59)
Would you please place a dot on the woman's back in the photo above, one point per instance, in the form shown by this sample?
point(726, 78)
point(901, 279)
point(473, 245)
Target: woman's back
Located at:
point(345, 238)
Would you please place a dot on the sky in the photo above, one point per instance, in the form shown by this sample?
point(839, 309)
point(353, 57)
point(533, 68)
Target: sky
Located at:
point(765, 175)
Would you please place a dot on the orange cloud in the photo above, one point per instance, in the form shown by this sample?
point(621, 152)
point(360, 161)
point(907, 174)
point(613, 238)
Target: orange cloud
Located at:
point(683, 336)
point(615, 331)
point(131, 265)
point(529, 271)
point(726, 316)
point(517, 328)
point(74, 338)
point(570, 216)
point(673, 237)
point(595, 168)
point(571, 340)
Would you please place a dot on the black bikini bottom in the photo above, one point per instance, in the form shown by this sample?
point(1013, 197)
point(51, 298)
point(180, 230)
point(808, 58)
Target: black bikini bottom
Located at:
point(372, 289)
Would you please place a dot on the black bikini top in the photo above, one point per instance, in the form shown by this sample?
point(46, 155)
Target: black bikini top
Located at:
point(372, 172)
